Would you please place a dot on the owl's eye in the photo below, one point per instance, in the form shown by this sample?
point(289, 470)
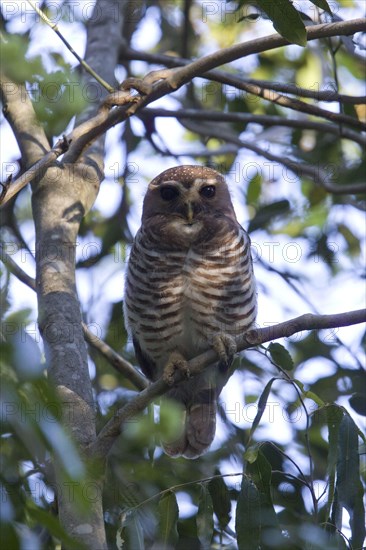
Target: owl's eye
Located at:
point(208, 191)
point(168, 193)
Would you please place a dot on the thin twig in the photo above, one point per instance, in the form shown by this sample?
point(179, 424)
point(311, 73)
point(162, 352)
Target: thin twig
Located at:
point(55, 28)
point(319, 95)
point(182, 485)
point(297, 467)
point(118, 362)
point(309, 484)
point(300, 106)
point(15, 269)
point(35, 170)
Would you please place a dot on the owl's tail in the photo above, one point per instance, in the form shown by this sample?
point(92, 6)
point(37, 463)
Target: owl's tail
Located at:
point(198, 420)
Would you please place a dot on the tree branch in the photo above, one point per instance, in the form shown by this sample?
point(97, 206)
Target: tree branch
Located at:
point(319, 95)
point(180, 76)
point(85, 134)
point(19, 112)
point(316, 173)
point(115, 360)
point(264, 120)
point(172, 61)
point(14, 268)
point(297, 105)
point(254, 337)
point(36, 170)
point(267, 43)
point(118, 362)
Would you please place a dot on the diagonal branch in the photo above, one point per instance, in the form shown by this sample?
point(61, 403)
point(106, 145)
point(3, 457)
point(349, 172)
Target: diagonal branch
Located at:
point(316, 173)
point(298, 105)
point(85, 134)
point(175, 78)
point(220, 76)
point(118, 362)
point(254, 337)
point(318, 95)
point(267, 43)
point(264, 120)
point(14, 268)
point(19, 112)
point(35, 171)
point(90, 130)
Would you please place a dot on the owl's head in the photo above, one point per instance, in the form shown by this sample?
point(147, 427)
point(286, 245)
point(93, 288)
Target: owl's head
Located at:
point(188, 199)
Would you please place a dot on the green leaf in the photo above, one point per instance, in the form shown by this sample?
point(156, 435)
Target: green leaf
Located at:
point(251, 453)
point(262, 402)
point(334, 415)
point(51, 523)
point(286, 20)
point(349, 486)
point(135, 533)
point(353, 243)
point(15, 46)
point(322, 4)
point(58, 96)
point(265, 214)
point(169, 513)
point(220, 500)
point(247, 520)
point(309, 394)
point(132, 531)
point(205, 523)
point(261, 473)
point(254, 188)
point(280, 356)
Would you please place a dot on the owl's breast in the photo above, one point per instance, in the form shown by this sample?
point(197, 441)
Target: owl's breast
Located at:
point(177, 300)
point(220, 290)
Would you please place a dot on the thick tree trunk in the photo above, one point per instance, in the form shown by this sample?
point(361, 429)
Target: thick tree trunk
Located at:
point(61, 197)
point(60, 200)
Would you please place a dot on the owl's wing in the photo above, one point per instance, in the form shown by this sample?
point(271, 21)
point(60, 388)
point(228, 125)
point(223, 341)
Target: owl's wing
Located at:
point(147, 365)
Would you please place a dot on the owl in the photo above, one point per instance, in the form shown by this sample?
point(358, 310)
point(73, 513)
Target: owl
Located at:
point(189, 286)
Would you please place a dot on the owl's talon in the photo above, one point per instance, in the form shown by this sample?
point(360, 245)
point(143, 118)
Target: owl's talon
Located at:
point(176, 363)
point(225, 347)
point(144, 86)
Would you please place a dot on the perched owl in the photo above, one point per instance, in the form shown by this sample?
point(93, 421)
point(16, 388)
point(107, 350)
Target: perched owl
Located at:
point(189, 286)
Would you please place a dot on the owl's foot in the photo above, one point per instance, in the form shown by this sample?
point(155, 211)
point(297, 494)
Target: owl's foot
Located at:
point(117, 99)
point(145, 85)
point(225, 347)
point(176, 363)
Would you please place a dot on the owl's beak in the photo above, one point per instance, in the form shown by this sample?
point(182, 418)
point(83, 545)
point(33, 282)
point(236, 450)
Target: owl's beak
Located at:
point(190, 212)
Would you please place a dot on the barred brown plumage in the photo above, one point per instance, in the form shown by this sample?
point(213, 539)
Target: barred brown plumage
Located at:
point(189, 285)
